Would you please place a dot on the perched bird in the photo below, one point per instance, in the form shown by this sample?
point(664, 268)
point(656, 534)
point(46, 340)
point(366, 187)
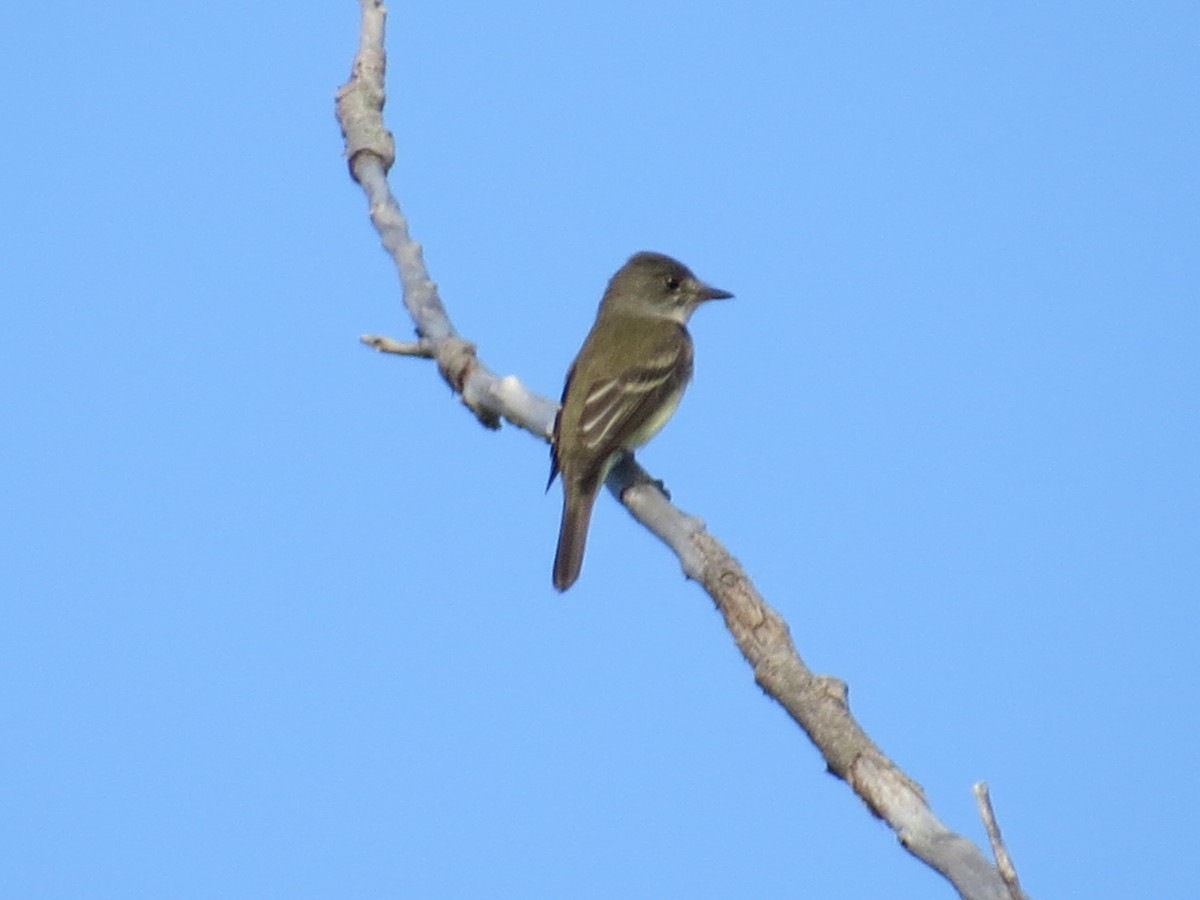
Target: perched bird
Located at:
point(623, 386)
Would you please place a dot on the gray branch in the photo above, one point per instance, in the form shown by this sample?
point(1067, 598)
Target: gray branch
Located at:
point(818, 703)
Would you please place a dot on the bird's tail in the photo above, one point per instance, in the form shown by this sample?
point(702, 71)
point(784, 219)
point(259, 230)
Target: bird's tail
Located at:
point(578, 501)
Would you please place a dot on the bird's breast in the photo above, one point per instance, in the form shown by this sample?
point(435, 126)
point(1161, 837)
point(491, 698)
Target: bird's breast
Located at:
point(654, 424)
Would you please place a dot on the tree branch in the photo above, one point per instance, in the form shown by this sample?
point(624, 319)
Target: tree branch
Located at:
point(1003, 861)
point(817, 703)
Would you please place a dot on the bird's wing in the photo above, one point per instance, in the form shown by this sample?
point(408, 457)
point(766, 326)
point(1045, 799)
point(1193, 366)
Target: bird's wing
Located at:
point(616, 409)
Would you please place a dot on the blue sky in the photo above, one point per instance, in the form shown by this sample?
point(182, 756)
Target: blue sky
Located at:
point(277, 616)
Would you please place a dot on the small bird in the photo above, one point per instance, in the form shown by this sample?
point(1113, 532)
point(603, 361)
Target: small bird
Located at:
point(623, 386)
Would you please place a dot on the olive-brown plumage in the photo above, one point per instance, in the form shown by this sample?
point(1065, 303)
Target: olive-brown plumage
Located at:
point(623, 386)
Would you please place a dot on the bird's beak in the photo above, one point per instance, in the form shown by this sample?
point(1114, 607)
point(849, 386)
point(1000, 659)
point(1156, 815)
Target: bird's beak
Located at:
point(711, 293)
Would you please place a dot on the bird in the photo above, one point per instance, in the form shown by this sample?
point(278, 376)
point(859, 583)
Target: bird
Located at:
point(623, 386)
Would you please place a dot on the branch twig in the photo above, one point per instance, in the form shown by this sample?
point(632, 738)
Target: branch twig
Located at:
point(817, 703)
point(422, 348)
point(1003, 861)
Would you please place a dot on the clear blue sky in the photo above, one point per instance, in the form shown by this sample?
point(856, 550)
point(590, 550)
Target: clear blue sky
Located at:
point(277, 616)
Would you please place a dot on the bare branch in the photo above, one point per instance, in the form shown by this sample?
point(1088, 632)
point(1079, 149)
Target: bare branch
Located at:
point(818, 703)
point(1003, 861)
point(370, 151)
point(383, 344)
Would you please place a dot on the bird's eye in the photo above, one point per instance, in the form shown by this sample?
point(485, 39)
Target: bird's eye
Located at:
point(672, 283)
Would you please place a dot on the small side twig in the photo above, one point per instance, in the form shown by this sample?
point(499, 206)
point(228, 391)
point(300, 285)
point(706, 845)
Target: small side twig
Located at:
point(1004, 862)
point(422, 348)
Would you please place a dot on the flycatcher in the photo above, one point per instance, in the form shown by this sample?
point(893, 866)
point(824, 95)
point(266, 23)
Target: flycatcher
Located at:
point(623, 386)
